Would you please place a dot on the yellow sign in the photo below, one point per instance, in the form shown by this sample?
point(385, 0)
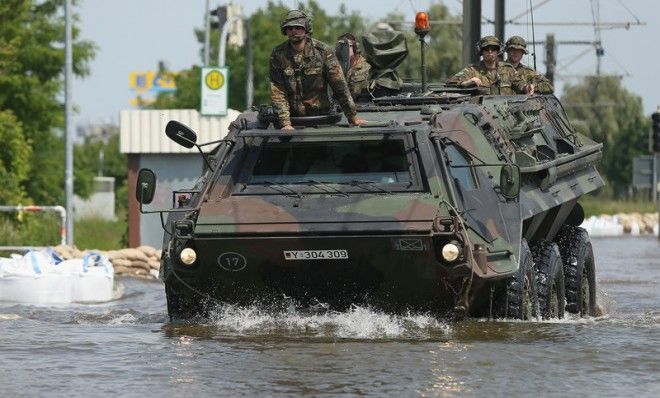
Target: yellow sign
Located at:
point(214, 79)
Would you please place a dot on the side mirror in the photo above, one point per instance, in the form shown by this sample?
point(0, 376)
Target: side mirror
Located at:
point(510, 181)
point(181, 134)
point(146, 186)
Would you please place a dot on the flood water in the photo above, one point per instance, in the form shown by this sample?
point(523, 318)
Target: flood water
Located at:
point(127, 348)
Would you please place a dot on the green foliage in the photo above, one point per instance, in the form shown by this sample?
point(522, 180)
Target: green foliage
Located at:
point(595, 206)
point(607, 112)
point(264, 27)
point(31, 84)
point(91, 233)
point(30, 229)
point(14, 160)
point(442, 53)
point(43, 229)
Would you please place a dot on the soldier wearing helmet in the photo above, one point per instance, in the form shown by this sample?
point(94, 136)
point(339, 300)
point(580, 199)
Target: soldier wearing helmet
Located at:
point(493, 76)
point(356, 68)
point(301, 69)
point(515, 47)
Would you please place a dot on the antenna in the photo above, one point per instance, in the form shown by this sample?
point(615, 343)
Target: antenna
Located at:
point(531, 13)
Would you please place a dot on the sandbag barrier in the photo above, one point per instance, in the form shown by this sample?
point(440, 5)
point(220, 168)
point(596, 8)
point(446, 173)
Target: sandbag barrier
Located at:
point(622, 224)
point(141, 262)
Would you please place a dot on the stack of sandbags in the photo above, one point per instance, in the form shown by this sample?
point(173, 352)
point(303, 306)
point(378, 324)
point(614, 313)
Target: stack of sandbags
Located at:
point(141, 262)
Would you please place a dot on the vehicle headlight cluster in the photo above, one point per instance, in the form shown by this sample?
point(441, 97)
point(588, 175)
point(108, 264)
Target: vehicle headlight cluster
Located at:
point(451, 251)
point(188, 256)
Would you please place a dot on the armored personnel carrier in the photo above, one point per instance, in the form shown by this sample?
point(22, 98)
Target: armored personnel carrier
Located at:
point(447, 203)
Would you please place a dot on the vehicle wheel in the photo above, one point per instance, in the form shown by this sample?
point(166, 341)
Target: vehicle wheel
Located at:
point(521, 299)
point(549, 279)
point(579, 270)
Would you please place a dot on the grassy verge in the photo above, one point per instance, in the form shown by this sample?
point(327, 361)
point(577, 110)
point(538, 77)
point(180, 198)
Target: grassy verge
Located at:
point(596, 206)
point(43, 229)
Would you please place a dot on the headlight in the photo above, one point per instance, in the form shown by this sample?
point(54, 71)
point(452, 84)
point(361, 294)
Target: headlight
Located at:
point(188, 256)
point(450, 252)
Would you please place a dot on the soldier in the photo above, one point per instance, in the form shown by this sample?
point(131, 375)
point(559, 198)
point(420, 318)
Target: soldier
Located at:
point(301, 69)
point(496, 77)
point(515, 47)
point(359, 69)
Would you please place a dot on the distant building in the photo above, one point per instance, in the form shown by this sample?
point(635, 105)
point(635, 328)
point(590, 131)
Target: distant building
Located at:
point(101, 131)
point(143, 140)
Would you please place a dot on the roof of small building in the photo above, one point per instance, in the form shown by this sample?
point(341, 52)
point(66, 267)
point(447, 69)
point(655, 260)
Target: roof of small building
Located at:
point(143, 131)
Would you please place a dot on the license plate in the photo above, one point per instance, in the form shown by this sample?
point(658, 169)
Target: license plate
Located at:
point(332, 254)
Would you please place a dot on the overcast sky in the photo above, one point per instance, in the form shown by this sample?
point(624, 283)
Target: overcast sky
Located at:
point(133, 35)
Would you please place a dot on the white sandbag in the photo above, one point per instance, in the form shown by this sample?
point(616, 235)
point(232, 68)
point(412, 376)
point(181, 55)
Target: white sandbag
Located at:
point(35, 277)
point(92, 278)
point(42, 277)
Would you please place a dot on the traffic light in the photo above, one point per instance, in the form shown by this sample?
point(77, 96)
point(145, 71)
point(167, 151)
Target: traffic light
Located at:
point(221, 14)
point(655, 133)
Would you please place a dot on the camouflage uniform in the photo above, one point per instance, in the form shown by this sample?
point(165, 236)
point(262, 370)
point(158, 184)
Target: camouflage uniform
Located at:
point(503, 80)
point(358, 76)
point(299, 81)
point(541, 84)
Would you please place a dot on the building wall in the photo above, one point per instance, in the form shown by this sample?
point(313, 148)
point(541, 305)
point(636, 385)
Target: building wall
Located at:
point(173, 172)
point(101, 204)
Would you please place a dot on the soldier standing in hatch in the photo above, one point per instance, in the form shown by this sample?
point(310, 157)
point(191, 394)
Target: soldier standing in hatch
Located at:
point(301, 69)
point(515, 47)
point(494, 76)
point(359, 69)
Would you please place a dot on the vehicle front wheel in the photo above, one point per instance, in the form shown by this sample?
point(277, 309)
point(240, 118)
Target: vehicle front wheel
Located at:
point(520, 300)
point(549, 279)
point(579, 270)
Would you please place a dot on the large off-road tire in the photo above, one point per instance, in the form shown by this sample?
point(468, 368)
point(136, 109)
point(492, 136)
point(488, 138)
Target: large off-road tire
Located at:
point(520, 301)
point(549, 279)
point(579, 270)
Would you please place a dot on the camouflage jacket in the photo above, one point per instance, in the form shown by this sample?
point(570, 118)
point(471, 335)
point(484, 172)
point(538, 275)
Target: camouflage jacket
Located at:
point(503, 80)
point(541, 83)
point(299, 82)
point(358, 76)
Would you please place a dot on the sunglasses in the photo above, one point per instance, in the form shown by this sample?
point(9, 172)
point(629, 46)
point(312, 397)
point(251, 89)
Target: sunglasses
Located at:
point(491, 48)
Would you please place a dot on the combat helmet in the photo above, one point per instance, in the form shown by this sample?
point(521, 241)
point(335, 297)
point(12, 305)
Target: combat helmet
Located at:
point(296, 18)
point(488, 41)
point(516, 42)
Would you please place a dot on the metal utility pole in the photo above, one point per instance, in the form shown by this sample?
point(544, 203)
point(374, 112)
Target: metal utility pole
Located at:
point(471, 30)
point(222, 46)
point(68, 125)
point(550, 58)
point(207, 33)
point(499, 19)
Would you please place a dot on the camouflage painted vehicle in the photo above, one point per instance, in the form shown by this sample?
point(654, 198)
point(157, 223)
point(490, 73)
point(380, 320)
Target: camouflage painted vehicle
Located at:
point(448, 203)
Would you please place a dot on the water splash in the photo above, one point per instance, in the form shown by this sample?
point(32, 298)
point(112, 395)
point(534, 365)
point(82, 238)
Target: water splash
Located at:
point(355, 323)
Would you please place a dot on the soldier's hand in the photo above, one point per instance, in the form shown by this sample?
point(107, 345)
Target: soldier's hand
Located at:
point(530, 89)
point(357, 121)
point(472, 81)
point(287, 127)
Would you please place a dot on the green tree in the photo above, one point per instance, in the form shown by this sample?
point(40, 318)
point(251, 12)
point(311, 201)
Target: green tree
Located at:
point(614, 116)
point(14, 160)
point(31, 84)
point(442, 54)
point(264, 27)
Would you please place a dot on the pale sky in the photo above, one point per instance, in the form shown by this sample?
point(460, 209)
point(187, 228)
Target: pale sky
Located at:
point(133, 35)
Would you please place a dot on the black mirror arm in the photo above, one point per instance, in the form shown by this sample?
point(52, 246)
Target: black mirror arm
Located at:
point(206, 160)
